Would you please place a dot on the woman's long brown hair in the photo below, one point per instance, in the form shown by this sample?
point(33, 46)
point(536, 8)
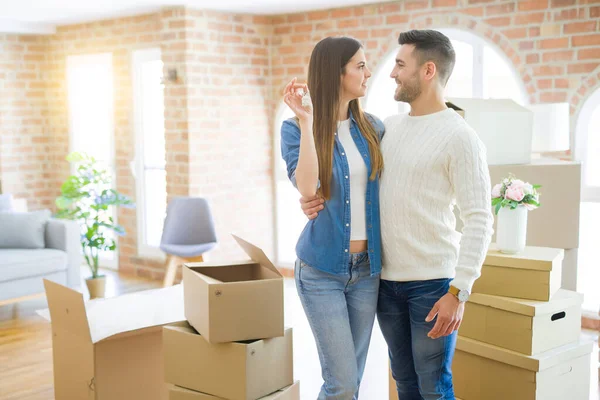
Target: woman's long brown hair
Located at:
point(327, 63)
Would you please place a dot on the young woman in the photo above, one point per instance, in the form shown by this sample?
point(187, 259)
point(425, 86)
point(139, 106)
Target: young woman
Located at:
point(331, 149)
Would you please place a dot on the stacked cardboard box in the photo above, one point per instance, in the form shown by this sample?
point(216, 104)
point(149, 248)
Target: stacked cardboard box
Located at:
point(234, 345)
point(110, 349)
point(519, 338)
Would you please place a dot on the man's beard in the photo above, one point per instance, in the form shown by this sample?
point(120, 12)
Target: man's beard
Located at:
point(409, 90)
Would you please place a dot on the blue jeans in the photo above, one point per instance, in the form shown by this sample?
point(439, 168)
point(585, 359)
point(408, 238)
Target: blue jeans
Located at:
point(341, 312)
point(420, 365)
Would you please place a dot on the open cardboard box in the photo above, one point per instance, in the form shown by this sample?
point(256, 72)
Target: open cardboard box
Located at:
point(245, 370)
point(526, 326)
point(110, 349)
point(287, 393)
point(233, 301)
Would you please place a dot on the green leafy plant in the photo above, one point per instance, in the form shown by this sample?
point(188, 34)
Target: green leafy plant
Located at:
point(513, 192)
point(86, 197)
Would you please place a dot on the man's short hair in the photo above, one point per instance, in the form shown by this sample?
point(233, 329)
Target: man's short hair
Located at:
point(432, 46)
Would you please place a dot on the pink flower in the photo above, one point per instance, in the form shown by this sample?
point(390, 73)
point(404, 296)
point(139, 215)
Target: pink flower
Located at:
point(514, 193)
point(496, 191)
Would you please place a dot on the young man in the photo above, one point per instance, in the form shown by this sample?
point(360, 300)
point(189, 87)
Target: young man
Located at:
point(433, 162)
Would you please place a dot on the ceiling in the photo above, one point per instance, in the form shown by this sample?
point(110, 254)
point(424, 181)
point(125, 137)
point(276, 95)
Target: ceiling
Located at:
point(43, 16)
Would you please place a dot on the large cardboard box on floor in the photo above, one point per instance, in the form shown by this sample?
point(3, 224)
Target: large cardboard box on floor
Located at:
point(244, 370)
point(110, 349)
point(504, 127)
point(232, 301)
point(534, 274)
point(482, 371)
point(526, 326)
point(288, 393)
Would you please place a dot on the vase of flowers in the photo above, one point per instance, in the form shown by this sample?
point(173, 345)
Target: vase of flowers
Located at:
point(512, 200)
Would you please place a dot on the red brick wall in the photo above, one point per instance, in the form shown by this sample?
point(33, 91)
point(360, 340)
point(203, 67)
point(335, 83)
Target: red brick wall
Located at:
point(553, 44)
point(24, 140)
point(229, 124)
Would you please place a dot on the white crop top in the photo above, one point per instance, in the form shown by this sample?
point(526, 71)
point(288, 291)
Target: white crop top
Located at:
point(358, 181)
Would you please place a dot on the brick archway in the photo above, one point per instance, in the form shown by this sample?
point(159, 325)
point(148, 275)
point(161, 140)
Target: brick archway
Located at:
point(578, 97)
point(471, 25)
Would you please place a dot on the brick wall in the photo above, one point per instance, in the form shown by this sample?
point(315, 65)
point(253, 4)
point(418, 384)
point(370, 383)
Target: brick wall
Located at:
point(229, 126)
point(554, 45)
point(24, 141)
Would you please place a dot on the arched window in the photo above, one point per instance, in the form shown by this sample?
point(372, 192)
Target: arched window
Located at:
point(587, 150)
point(289, 218)
point(587, 147)
point(481, 71)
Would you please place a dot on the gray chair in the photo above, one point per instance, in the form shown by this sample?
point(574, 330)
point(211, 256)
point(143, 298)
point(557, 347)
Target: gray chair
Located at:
point(188, 233)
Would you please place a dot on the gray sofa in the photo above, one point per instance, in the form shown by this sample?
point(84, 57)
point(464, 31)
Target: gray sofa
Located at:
point(34, 246)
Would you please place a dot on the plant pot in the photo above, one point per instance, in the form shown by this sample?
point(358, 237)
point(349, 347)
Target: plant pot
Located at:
point(96, 286)
point(511, 231)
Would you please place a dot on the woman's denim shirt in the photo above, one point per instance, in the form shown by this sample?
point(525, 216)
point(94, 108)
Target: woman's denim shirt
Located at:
point(325, 241)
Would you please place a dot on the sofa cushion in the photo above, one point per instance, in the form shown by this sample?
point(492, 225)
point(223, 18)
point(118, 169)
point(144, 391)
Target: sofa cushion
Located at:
point(23, 230)
point(20, 263)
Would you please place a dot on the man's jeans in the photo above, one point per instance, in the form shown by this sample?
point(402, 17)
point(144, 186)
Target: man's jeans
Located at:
point(341, 312)
point(420, 365)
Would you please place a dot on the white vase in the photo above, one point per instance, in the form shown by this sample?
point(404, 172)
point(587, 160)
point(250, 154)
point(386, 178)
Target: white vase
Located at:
point(511, 230)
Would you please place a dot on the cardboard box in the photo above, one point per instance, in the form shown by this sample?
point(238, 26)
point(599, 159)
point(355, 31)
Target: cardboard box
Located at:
point(504, 127)
point(525, 326)
point(483, 371)
point(556, 222)
point(233, 301)
point(110, 349)
point(534, 274)
point(236, 371)
point(287, 393)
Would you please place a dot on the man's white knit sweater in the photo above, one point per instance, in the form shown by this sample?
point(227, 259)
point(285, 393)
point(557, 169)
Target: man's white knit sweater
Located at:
point(432, 163)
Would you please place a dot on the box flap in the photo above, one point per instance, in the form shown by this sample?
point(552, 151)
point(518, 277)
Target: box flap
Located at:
point(535, 258)
point(135, 311)
point(100, 319)
point(561, 300)
point(534, 363)
point(256, 254)
point(485, 105)
point(67, 309)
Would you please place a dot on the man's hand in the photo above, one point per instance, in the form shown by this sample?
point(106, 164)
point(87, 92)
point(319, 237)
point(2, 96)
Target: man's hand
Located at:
point(311, 206)
point(449, 313)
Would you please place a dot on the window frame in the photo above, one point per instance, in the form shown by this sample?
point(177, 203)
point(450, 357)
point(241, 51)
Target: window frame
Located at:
point(592, 103)
point(138, 166)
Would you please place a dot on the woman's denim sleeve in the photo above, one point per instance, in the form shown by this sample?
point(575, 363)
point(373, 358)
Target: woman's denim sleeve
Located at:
point(290, 148)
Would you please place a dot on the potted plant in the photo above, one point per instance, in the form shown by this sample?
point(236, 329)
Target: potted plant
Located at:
point(86, 197)
point(512, 199)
